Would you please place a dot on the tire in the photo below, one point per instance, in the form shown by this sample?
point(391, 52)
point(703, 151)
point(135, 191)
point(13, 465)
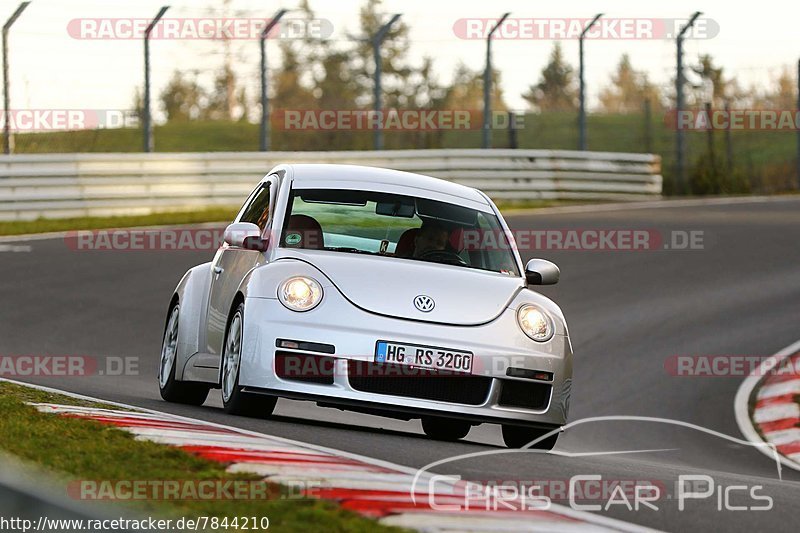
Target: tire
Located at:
point(234, 401)
point(185, 392)
point(519, 436)
point(447, 429)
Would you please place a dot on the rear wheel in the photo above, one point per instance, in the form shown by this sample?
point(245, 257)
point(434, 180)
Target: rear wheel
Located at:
point(519, 436)
point(447, 429)
point(171, 390)
point(234, 400)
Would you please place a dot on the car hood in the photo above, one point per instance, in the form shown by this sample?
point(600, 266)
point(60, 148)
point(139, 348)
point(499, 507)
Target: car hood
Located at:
point(388, 286)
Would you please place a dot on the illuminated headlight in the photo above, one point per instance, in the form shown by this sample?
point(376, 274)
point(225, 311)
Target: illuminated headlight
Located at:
point(535, 323)
point(300, 293)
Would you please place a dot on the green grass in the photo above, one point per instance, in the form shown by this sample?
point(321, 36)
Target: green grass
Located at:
point(43, 225)
point(508, 207)
point(75, 449)
point(157, 219)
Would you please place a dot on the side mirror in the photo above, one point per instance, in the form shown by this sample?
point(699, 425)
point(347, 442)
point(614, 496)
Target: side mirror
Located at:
point(245, 235)
point(541, 272)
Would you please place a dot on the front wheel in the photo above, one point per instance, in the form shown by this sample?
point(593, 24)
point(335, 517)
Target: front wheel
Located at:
point(234, 400)
point(446, 429)
point(171, 390)
point(519, 436)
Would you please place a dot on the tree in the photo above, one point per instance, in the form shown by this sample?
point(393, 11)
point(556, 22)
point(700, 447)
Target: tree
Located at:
point(782, 93)
point(394, 52)
point(556, 89)
point(629, 90)
point(713, 86)
point(138, 103)
point(426, 91)
point(336, 89)
point(466, 90)
point(290, 91)
point(244, 104)
point(183, 99)
point(222, 102)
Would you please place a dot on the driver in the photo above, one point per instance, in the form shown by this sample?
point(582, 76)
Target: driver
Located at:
point(432, 237)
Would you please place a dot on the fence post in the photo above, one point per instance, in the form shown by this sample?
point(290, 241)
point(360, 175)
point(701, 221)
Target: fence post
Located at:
point(728, 141)
point(648, 127)
point(7, 142)
point(680, 148)
point(512, 130)
point(147, 126)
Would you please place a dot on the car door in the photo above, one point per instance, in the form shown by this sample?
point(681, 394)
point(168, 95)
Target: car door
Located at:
point(231, 264)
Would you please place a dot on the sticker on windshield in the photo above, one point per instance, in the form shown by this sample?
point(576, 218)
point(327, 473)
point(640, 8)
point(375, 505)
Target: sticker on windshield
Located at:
point(293, 238)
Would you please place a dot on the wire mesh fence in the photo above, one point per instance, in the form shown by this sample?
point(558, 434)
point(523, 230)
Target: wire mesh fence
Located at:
point(76, 85)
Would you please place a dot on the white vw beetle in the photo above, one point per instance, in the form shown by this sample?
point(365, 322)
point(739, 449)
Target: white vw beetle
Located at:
point(376, 291)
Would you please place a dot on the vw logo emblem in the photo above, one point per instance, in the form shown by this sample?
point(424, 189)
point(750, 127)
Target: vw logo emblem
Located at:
point(424, 303)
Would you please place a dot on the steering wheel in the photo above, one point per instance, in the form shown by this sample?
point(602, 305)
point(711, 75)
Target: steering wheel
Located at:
point(443, 256)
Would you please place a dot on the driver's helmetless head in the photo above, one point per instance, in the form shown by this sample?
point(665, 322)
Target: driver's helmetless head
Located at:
point(431, 237)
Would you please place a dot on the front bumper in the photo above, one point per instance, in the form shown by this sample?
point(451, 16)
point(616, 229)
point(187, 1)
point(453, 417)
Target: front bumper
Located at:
point(497, 346)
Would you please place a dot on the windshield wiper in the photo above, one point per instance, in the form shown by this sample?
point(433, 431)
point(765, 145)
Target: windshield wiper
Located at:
point(350, 250)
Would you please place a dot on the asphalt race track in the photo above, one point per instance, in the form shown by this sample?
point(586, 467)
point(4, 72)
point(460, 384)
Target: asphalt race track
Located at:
point(628, 312)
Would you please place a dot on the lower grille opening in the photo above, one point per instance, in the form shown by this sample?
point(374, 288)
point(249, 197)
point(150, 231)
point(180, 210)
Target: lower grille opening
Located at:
point(526, 395)
point(398, 380)
point(306, 368)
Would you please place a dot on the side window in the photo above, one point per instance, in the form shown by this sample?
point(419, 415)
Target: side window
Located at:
point(257, 212)
point(492, 252)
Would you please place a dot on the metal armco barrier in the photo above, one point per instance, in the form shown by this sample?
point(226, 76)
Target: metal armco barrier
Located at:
point(75, 185)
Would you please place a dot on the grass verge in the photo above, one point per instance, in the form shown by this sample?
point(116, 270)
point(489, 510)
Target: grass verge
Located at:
point(217, 214)
point(75, 449)
point(42, 225)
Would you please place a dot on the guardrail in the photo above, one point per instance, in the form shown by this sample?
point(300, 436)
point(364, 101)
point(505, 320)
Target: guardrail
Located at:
point(73, 185)
point(29, 501)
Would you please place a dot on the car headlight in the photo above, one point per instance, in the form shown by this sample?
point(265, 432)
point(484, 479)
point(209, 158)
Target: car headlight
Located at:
point(535, 323)
point(300, 293)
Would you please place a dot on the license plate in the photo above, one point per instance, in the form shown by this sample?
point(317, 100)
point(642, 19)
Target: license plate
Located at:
point(420, 356)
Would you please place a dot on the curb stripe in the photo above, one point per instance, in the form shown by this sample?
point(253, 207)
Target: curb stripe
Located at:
point(784, 398)
point(372, 490)
point(775, 418)
point(436, 521)
point(777, 411)
point(777, 425)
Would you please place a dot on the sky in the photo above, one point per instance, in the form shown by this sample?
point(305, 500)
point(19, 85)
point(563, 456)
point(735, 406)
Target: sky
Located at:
point(50, 69)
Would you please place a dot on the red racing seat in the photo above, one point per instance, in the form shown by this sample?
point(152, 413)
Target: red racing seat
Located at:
point(405, 244)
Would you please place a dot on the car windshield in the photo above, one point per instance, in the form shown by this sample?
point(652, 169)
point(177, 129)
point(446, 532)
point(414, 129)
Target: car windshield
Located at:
point(394, 225)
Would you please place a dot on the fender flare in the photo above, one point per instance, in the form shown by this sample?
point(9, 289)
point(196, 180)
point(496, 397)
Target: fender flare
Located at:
point(192, 294)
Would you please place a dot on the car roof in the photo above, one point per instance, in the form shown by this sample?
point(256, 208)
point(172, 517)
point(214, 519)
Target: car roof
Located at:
point(357, 173)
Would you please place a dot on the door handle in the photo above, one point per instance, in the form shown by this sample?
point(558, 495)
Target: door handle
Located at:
point(218, 270)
